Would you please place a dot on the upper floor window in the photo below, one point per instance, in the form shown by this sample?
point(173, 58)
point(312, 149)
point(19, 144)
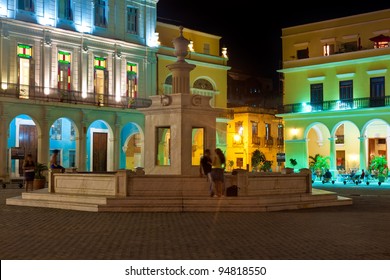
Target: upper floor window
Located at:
point(255, 133)
point(304, 53)
point(132, 72)
point(267, 131)
point(346, 90)
point(203, 84)
point(132, 20)
point(26, 5)
point(380, 41)
point(377, 91)
point(280, 135)
point(316, 96)
point(328, 49)
point(239, 130)
point(100, 13)
point(65, 9)
point(349, 46)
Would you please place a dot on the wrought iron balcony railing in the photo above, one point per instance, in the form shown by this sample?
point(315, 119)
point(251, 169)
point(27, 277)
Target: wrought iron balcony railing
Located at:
point(74, 97)
point(334, 105)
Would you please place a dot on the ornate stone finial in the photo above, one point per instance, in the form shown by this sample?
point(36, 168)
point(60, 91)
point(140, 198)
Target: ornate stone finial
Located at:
point(181, 46)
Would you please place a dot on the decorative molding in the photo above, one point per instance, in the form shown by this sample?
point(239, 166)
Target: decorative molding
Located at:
point(375, 72)
point(345, 75)
point(316, 79)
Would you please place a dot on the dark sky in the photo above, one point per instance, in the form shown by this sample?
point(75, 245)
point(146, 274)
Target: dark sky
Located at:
point(252, 35)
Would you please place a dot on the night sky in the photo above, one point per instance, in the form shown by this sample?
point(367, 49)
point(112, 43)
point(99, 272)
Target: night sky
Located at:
point(253, 35)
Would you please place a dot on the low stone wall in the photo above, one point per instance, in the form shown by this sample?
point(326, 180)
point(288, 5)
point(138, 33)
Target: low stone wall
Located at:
point(126, 183)
point(89, 183)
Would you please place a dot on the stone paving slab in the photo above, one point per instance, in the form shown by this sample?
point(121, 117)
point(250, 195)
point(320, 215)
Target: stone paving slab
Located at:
point(355, 232)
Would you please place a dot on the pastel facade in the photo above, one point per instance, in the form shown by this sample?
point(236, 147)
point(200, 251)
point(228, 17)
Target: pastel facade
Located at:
point(336, 90)
point(72, 75)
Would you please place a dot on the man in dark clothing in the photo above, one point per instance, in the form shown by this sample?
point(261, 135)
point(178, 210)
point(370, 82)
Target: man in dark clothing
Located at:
point(205, 169)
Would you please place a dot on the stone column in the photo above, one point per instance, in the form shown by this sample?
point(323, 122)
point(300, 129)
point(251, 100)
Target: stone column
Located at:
point(332, 153)
point(3, 145)
point(362, 153)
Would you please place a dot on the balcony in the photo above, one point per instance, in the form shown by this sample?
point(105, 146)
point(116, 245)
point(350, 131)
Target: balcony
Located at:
point(73, 97)
point(336, 105)
point(268, 142)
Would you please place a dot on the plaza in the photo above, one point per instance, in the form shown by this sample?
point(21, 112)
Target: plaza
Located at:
point(353, 232)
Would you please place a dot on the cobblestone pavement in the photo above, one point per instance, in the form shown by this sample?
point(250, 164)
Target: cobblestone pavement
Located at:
point(355, 232)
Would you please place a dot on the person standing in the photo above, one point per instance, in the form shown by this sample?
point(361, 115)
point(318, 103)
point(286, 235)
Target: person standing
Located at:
point(29, 171)
point(205, 169)
point(218, 172)
point(54, 161)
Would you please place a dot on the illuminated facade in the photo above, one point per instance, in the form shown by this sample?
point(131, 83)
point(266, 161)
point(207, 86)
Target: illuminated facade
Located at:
point(336, 90)
point(254, 129)
point(208, 78)
point(72, 75)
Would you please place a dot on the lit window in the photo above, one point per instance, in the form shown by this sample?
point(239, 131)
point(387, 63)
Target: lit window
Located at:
point(328, 49)
point(132, 72)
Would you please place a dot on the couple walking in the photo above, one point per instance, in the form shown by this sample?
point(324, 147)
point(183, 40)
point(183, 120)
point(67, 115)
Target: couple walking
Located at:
point(213, 168)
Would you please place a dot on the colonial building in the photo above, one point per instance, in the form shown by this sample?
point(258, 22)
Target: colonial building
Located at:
point(336, 90)
point(72, 75)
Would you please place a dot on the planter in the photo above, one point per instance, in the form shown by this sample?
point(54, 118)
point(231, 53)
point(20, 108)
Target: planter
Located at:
point(39, 184)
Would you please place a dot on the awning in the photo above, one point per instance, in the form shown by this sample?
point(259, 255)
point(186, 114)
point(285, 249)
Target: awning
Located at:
point(380, 38)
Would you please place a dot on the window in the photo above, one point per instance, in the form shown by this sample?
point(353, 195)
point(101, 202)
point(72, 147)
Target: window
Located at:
point(100, 13)
point(346, 94)
point(26, 5)
point(132, 72)
point(280, 135)
point(267, 131)
point(349, 46)
point(238, 135)
point(132, 20)
point(24, 53)
point(56, 130)
point(197, 145)
point(328, 49)
point(316, 96)
point(101, 79)
point(65, 9)
point(163, 135)
point(268, 138)
point(303, 53)
point(64, 72)
point(255, 133)
point(377, 91)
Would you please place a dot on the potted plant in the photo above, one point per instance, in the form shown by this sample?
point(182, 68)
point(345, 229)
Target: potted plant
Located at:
point(39, 178)
point(266, 166)
point(378, 165)
point(318, 164)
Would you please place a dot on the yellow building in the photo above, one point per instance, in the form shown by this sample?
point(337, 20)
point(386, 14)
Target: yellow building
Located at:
point(209, 78)
point(336, 90)
point(254, 129)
